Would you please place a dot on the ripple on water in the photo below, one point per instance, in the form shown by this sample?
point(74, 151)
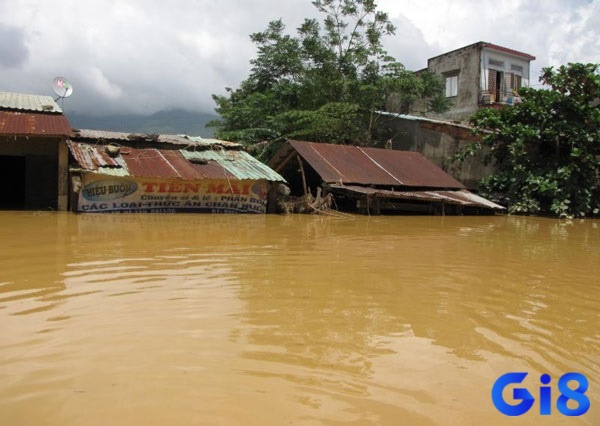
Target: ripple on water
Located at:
point(276, 320)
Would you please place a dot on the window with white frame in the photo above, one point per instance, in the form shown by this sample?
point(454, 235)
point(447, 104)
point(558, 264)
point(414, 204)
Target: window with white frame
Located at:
point(451, 85)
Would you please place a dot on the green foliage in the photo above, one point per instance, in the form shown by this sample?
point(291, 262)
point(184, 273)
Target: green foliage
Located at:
point(546, 149)
point(324, 84)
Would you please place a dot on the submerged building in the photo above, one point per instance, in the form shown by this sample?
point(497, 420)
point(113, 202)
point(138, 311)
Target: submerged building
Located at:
point(375, 181)
point(481, 75)
point(121, 172)
point(46, 165)
point(33, 153)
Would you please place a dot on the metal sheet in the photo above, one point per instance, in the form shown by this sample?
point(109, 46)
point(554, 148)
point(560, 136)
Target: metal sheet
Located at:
point(163, 163)
point(480, 200)
point(412, 168)
point(372, 166)
point(239, 164)
point(158, 163)
point(15, 123)
point(31, 103)
point(459, 197)
point(93, 157)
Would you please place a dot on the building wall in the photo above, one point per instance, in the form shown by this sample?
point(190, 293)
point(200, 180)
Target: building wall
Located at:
point(38, 178)
point(466, 64)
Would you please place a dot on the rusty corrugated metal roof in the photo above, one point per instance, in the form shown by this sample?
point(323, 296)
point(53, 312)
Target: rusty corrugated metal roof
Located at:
point(458, 197)
point(31, 103)
point(371, 166)
point(91, 157)
point(164, 163)
point(159, 163)
point(17, 123)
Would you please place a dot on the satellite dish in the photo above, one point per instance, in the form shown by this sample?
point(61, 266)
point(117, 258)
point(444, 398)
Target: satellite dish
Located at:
point(62, 87)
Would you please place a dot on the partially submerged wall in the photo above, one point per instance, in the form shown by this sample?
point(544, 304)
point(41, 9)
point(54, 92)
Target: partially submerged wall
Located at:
point(100, 193)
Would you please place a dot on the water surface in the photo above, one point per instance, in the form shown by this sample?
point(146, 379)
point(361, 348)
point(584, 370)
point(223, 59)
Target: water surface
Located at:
point(277, 320)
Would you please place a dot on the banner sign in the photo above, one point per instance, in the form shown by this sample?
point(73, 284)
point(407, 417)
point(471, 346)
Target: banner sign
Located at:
point(104, 193)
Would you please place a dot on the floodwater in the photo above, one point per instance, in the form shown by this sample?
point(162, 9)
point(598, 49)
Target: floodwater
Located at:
point(291, 320)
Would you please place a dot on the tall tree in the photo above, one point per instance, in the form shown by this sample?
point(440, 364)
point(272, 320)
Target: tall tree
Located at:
point(324, 84)
point(546, 149)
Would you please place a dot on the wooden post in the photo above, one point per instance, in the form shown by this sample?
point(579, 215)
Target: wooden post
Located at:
point(63, 176)
point(303, 175)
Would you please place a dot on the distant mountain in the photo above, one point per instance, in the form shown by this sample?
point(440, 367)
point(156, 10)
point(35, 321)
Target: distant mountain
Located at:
point(173, 122)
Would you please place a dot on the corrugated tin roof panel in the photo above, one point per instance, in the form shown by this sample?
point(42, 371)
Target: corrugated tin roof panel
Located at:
point(181, 164)
point(459, 197)
point(158, 163)
point(372, 166)
point(95, 157)
point(212, 170)
point(33, 124)
point(474, 198)
point(239, 164)
point(25, 102)
point(342, 164)
point(412, 168)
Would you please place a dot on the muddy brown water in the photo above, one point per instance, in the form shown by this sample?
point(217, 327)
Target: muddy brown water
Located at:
point(303, 320)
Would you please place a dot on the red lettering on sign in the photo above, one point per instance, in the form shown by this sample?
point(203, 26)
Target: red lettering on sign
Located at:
point(216, 189)
point(149, 186)
point(188, 187)
point(191, 187)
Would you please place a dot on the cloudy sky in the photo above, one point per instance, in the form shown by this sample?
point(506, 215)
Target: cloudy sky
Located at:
point(143, 56)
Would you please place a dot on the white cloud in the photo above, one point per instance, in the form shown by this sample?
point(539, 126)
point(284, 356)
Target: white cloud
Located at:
point(103, 86)
point(555, 31)
point(146, 55)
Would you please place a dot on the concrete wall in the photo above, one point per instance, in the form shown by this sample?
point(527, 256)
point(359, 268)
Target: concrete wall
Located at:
point(439, 142)
point(466, 63)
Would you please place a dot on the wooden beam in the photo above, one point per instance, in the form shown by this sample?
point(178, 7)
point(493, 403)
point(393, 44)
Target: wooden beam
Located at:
point(63, 176)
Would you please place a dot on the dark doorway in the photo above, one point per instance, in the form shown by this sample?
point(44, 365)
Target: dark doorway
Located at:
point(500, 89)
point(12, 176)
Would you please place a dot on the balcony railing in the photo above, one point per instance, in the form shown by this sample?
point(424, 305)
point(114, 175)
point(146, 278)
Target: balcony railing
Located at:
point(503, 97)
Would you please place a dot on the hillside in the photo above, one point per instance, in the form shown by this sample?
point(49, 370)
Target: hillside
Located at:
point(163, 122)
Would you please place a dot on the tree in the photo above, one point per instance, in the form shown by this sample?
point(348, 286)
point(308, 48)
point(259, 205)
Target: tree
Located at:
point(546, 149)
point(324, 84)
